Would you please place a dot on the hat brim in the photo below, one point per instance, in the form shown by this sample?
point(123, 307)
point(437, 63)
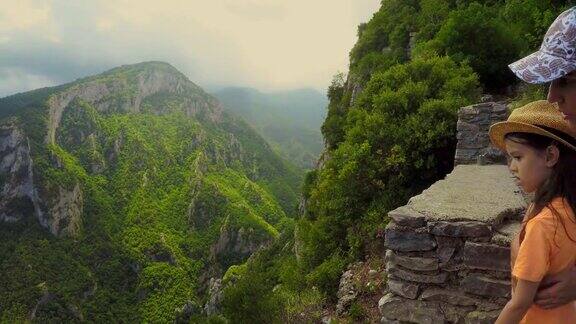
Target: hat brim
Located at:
point(498, 133)
point(541, 67)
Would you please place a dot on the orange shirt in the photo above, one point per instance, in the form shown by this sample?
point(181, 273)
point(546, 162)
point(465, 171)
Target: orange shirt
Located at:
point(548, 249)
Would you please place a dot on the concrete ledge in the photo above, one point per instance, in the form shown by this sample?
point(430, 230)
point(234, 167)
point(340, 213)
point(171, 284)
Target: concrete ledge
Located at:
point(482, 193)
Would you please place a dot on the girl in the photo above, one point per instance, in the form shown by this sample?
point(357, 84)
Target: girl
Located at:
point(542, 151)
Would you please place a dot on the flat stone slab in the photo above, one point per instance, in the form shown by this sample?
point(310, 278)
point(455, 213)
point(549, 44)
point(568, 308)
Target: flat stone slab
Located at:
point(417, 311)
point(486, 256)
point(405, 239)
point(413, 263)
point(407, 217)
point(447, 249)
point(459, 229)
point(506, 233)
point(402, 274)
point(449, 296)
point(404, 289)
point(483, 193)
point(478, 284)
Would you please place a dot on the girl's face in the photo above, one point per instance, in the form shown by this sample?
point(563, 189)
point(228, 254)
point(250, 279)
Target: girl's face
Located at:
point(529, 166)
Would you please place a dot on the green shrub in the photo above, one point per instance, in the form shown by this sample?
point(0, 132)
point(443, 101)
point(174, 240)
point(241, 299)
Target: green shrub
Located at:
point(400, 138)
point(476, 34)
point(356, 311)
point(327, 275)
point(332, 128)
point(234, 273)
point(251, 300)
point(299, 306)
point(532, 92)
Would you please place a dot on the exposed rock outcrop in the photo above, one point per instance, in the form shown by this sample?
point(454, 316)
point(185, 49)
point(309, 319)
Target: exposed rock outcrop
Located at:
point(64, 211)
point(18, 196)
point(235, 245)
point(347, 292)
point(45, 298)
point(215, 296)
point(58, 210)
point(184, 313)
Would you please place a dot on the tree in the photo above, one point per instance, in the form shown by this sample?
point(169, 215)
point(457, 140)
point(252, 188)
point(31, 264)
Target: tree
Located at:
point(399, 137)
point(477, 35)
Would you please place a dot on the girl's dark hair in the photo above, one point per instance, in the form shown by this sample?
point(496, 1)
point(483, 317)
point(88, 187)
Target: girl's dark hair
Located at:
point(562, 181)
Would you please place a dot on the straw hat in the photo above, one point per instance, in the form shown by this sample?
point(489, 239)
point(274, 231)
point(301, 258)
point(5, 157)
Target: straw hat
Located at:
point(538, 117)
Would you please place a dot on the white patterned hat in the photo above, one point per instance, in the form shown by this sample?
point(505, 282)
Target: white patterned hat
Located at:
point(557, 55)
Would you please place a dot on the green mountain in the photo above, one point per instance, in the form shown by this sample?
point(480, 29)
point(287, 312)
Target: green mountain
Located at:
point(124, 193)
point(289, 120)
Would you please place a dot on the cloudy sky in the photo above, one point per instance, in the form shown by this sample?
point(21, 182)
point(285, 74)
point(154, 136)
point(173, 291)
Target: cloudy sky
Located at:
point(266, 44)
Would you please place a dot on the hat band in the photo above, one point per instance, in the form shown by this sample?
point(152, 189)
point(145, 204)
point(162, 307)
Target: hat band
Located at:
point(568, 138)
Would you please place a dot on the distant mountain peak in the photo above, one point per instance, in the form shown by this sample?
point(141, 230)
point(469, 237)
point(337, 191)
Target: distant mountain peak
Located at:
point(145, 67)
point(126, 88)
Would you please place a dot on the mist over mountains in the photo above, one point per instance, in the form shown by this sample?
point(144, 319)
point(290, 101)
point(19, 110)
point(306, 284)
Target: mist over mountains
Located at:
point(289, 120)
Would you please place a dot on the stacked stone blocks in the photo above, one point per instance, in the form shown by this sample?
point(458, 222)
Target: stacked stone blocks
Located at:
point(473, 145)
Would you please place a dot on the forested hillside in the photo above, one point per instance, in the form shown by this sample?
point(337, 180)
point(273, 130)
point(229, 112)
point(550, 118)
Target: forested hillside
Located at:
point(289, 120)
point(124, 193)
point(390, 133)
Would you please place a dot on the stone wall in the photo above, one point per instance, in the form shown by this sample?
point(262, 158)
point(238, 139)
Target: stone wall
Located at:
point(448, 255)
point(472, 133)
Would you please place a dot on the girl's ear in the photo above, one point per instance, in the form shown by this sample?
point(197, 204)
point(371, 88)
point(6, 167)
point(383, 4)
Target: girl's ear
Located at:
point(552, 155)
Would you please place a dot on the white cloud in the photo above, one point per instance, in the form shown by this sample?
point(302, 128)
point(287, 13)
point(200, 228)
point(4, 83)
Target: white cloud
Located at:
point(104, 25)
point(27, 15)
point(23, 14)
point(15, 80)
point(267, 44)
point(257, 10)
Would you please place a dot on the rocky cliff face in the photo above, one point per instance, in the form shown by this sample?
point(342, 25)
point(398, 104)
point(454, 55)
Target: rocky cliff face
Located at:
point(57, 209)
point(64, 211)
point(19, 198)
point(235, 244)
